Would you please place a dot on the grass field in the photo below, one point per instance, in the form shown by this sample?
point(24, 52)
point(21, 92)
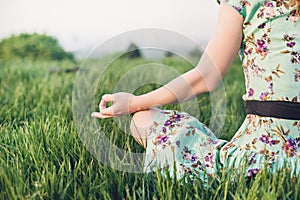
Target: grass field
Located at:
point(42, 156)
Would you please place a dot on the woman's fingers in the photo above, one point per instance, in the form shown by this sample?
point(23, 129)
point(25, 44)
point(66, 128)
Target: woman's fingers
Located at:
point(104, 112)
point(100, 115)
point(108, 97)
point(102, 105)
point(107, 111)
point(105, 98)
point(120, 105)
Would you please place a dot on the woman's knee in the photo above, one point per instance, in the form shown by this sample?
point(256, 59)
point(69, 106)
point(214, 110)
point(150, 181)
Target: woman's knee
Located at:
point(140, 125)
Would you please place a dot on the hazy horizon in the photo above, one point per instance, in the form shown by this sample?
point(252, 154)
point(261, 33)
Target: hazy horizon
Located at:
point(80, 26)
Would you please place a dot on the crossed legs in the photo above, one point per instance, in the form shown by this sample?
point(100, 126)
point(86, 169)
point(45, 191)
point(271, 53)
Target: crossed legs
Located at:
point(140, 125)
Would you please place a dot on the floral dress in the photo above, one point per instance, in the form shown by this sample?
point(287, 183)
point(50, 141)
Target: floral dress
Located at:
point(270, 53)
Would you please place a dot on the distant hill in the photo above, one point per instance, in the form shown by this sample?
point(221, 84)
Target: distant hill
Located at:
point(33, 47)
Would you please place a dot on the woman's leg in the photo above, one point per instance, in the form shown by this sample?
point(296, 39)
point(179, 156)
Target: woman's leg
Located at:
point(140, 125)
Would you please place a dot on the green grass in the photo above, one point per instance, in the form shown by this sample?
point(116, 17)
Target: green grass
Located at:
point(43, 157)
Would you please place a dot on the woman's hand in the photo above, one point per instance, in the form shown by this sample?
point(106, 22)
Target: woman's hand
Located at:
point(122, 104)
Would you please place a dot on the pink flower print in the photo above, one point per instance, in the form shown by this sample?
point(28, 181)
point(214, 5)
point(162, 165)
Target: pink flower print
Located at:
point(187, 155)
point(270, 86)
point(209, 162)
point(176, 117)
point(290, 147)
point(269, 4)
point(261, 45)
point(290, 44)
point(250, 92)
point(252, 173)
point(268, 10)
point(162, 140)
point(262, 26)
point(289, 38)
point(264, 96)
point(173, 119)
point(295, 58)
point(265, 139)
point(168, 123)
point(193, 158)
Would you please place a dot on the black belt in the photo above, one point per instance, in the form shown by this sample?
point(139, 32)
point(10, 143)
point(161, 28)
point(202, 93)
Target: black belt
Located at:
point(277, 109)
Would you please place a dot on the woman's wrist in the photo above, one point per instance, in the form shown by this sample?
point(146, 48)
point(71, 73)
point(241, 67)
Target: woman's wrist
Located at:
point(138, 103)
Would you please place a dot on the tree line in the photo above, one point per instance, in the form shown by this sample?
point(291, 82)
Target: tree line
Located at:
point(34, 47)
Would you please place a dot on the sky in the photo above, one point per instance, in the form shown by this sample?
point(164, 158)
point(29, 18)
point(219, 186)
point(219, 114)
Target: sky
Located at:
point(79, 24)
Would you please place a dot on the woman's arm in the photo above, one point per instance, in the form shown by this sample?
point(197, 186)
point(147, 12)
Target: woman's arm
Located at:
point(218, 56)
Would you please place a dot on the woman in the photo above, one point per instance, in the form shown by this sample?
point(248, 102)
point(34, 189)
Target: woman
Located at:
point(267, 33)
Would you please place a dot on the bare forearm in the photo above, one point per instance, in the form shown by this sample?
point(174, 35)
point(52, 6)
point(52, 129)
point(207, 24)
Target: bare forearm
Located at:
point(180, 89)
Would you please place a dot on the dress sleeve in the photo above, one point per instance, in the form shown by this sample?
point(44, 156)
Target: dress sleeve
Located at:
point(237, 6)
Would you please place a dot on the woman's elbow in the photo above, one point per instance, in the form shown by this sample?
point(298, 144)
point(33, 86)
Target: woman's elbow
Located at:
point(213, 86)
point(211, 81)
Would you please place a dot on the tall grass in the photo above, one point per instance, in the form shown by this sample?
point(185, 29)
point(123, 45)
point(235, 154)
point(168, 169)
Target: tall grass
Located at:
point(43, 157)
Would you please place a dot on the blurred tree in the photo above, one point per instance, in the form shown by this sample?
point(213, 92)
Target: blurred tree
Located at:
point(169, 54)
point(133, 51)
point(34, 47)
point(196, 53)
